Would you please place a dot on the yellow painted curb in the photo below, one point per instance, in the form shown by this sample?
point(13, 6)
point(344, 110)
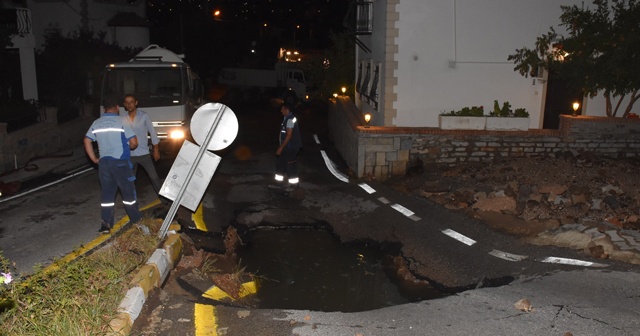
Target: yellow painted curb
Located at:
point(218, 294)
point(147, 278)
point(173, 246)
point(121, 325)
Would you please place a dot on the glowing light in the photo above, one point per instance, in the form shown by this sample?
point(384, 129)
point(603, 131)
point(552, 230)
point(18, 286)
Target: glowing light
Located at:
point(367, 118)
point(177, 134)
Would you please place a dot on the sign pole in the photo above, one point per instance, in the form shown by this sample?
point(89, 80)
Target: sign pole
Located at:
point(203, 148)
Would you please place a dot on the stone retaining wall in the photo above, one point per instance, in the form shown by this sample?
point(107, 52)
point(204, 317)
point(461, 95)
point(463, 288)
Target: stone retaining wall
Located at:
point(381, 152)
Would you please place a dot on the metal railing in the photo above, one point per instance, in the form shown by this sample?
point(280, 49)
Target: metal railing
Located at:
point(16, 20)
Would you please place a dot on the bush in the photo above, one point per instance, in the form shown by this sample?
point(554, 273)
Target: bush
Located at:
point(474, 111)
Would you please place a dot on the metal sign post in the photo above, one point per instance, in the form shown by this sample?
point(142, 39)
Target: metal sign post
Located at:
point(205, 144)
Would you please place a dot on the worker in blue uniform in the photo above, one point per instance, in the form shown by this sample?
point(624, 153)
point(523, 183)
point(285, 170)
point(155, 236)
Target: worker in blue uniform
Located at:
point(115, 140)
point(290, 144)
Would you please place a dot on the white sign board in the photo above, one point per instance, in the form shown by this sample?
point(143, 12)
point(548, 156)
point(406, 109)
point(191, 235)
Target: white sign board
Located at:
point(199, 181)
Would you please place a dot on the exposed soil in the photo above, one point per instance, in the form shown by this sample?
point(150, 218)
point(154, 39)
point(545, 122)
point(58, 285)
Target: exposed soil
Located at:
point(536, 189)
point(538, 195)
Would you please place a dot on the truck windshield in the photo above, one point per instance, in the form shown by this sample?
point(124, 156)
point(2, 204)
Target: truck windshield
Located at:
point(153, 87)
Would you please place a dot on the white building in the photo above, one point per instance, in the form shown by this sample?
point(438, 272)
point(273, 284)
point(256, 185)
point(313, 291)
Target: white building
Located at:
point(427, 57)
point(122, 21)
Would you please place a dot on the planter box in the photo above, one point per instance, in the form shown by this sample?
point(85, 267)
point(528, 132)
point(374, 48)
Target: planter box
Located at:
point(507, 124)
point(461, 123)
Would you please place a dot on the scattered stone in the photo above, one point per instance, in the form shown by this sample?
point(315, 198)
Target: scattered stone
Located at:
point(595, 251)
point(580, 198)
point(596, 204)
point(535, 197)
point(612, 190)
point(561, 200)
point(615, 221)
point(552, 189)
point(612, 202)
point(523, 305)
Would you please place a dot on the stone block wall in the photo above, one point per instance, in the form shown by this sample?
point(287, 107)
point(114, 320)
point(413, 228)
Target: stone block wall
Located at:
point(382, 152)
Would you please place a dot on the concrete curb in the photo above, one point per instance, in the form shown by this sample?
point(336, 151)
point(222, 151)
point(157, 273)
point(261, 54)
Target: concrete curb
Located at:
point(151, 275)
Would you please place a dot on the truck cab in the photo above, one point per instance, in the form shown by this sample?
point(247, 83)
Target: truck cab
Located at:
point(165, 86)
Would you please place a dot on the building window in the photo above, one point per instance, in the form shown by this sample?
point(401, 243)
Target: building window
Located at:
point(364, 17)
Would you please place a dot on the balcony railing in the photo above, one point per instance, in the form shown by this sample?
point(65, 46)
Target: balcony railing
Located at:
point(16, 20)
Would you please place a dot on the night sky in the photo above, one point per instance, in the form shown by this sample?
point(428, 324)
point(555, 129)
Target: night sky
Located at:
point(246, 33)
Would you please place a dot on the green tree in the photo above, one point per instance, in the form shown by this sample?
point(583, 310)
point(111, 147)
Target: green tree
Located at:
point(66, 63)
point(334, 68)
point(600, 54)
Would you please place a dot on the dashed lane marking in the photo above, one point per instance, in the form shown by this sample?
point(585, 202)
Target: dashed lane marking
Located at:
point(383, 200)
point(508, 256)
point(405, 211)
point(315, 137)
point(574, 262)
point(367, 188)
point(459, 237)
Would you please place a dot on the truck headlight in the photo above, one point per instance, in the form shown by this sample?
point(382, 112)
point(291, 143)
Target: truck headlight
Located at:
point(176, 134)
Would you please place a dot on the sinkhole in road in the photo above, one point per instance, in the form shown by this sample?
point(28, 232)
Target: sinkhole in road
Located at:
point(312, 270)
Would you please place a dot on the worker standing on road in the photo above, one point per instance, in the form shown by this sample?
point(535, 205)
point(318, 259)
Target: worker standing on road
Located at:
point(115, 140)
point(290, 144)
point(141, 156)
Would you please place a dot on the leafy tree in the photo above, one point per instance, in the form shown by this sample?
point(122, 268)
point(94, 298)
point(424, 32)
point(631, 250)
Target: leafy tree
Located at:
point(600, 54)
point(334, 68)
point(66, 63)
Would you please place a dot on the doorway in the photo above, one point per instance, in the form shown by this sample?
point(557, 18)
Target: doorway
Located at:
point(559, 100)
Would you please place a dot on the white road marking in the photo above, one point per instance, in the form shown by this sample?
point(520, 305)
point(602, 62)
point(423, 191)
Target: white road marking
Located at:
point(383, 200)
point(46, 185)
point(508, 256)
point(332, 168)
point(574, 262)
point(459, 237)
point(315, 137)
point(402, 210)
point(367, 188)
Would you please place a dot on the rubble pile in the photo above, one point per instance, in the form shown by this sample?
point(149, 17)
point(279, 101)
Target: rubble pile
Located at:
point(543, 199)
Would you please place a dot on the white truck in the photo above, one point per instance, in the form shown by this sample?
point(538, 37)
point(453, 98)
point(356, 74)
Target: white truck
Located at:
point(286, 78)
point(166, 88)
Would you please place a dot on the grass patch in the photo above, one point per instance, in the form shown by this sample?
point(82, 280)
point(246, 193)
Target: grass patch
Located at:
point(79, 297)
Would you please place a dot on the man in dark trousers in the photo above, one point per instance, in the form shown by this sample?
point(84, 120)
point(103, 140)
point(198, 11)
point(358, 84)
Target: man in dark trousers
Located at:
point(287, 152)
point(115, 140)
point(141, 156)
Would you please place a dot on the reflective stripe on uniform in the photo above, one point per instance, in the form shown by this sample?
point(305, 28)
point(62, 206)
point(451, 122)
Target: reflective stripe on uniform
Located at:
point(102, 130)
point(105, 205)
point(129, 203)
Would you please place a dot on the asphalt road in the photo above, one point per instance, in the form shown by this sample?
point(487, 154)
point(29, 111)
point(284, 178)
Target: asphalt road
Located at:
point(447, 248)
point(456, 253)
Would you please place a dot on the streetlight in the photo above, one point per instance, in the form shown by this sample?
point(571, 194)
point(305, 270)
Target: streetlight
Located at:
point(576, 106)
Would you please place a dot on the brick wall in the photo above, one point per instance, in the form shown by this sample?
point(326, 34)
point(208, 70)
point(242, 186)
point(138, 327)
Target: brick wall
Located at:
point(386, 151)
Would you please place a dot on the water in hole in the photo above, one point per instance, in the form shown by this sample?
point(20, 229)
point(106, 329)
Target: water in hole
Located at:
point(312, 270)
